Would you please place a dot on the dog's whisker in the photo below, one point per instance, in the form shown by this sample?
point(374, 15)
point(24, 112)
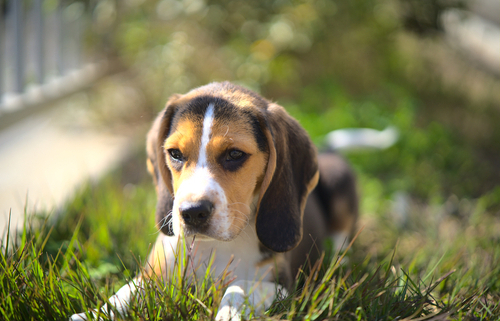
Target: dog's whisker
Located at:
point(162, 224)
point(161, 221)
point(167, 218)
point(238, 203)
point(243, 233)
point(246, 219)
point(239, 211)
point(165, 221)
point(242, 228)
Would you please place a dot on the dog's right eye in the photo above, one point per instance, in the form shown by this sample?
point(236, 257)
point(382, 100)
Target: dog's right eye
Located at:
point(176, 154)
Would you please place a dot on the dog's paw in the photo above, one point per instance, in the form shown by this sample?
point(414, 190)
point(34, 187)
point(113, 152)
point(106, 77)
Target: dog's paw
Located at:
point(228, 313)
point(120, 302)
point(78, 317)
point(83, 316)
point(233, 303)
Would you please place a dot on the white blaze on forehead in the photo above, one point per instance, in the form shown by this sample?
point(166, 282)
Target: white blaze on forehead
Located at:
point(203, 185)
point(205, 136)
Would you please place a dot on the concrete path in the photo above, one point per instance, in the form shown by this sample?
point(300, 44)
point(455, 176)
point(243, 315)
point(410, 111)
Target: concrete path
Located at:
point(44, 158)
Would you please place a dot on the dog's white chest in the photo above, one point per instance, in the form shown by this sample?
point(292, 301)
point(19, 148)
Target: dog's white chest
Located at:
point(240, 256)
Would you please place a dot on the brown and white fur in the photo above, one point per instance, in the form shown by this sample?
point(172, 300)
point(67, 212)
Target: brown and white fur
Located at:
point(233, 172)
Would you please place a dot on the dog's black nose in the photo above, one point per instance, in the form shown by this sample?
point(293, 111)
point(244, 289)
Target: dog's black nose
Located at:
point(196, 213)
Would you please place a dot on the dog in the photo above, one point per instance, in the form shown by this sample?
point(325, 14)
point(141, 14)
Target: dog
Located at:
point(238, 178)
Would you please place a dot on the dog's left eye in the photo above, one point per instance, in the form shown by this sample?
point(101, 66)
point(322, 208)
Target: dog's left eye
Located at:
point(233, 159)
point(234, 155)
point(175, 154)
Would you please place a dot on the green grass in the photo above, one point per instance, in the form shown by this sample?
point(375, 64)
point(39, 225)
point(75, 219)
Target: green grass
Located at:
point(351, 65)
point(436, 265)
point(436, 259)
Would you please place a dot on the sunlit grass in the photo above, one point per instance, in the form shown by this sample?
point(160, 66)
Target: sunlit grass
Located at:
point(435, 256)
point(436, 266)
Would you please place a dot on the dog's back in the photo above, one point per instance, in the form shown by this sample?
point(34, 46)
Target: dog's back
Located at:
point(331, 212)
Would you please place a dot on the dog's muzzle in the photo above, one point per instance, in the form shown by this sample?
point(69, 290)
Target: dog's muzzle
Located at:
point(196, 214)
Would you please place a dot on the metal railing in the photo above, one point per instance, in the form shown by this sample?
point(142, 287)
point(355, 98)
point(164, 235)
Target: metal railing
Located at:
point(42, 54)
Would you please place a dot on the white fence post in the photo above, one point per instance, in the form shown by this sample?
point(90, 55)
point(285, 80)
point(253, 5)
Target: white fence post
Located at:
point(18, 38)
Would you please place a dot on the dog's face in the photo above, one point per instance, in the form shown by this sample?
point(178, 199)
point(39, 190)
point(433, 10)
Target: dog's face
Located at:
point(217, 168)
point(218, 152)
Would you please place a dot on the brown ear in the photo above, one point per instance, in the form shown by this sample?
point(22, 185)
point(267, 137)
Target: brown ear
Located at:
point(163, 131)
point(291, 174)
point(158, 166)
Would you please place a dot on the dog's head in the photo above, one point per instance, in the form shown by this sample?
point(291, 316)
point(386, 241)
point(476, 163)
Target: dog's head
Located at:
point(221, 157)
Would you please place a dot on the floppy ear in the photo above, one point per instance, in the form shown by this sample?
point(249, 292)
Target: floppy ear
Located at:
point(291, 174)
point(163, 131)
point(158, 168)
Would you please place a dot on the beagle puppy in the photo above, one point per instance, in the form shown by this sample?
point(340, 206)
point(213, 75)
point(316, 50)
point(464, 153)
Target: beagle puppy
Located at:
point(234, 175)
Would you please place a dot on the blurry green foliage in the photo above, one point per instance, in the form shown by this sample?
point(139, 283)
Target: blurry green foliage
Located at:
point(424, 16)
point(332, 64)
point(271, 46)
point(425, 161)
point(110, 214)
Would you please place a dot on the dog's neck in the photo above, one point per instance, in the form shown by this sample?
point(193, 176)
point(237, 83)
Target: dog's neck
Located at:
point(243, 255)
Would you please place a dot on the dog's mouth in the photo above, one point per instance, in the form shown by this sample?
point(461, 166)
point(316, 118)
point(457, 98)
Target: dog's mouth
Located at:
point(201, 232)
point(207, 218)
point(206, 234)
point(222, 226)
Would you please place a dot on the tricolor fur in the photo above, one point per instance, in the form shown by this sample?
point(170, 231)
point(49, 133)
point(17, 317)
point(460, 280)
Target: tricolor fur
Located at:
point(233, 172)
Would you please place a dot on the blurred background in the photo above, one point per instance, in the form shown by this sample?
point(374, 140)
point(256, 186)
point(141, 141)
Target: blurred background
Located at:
point(81, 81)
